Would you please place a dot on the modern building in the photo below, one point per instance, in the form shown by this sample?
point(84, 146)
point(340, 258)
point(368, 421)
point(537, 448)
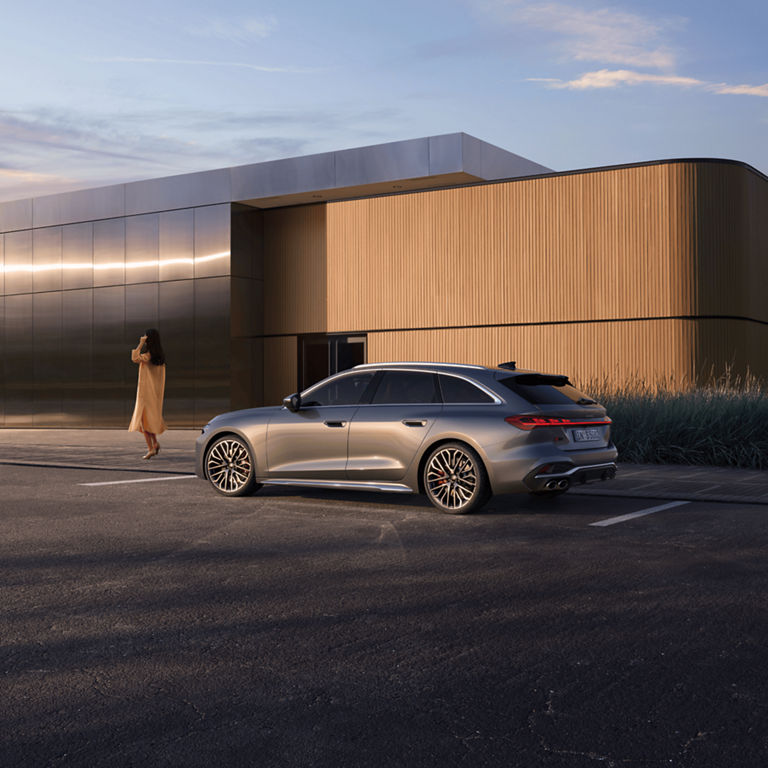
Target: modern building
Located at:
point(264, 278)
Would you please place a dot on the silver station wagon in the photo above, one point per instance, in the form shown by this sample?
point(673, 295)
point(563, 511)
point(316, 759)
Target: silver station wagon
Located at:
point(457, 433)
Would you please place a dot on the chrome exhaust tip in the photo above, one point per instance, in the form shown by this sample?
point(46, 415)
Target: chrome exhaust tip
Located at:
point(550, 485)
point(563, 484)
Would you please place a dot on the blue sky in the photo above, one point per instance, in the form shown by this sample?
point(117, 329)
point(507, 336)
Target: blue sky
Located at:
point(99, 93)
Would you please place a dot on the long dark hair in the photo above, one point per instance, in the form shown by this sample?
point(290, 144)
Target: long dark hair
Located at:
point(154, 347)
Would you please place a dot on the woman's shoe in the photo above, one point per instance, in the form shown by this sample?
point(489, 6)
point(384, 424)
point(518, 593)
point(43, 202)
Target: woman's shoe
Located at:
point(157, 450)
point(149, 454)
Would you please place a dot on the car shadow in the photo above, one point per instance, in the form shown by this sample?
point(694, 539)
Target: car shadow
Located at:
point(508, 504)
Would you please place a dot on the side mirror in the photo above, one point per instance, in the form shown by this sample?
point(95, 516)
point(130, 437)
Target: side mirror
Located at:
point(293, 402)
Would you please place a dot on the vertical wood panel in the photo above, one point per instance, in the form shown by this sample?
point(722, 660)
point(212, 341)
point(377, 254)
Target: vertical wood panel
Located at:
point(584, 246)
point(732, 274)
point(619, 353)
point(658, 240)
point(295, 283)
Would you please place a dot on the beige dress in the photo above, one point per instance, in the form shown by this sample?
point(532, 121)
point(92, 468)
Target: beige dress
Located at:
point(148, 413)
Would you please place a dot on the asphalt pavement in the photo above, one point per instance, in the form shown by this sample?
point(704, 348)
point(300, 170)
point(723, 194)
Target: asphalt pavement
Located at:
point(148, 621)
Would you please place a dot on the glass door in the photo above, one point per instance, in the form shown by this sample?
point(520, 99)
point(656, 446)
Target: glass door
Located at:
point(321, 356)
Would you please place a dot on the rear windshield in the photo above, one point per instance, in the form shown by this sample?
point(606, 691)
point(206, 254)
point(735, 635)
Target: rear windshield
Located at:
point(541, 389)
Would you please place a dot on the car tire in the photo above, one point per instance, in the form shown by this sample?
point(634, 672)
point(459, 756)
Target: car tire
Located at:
point(229, 467)
point(455, 480)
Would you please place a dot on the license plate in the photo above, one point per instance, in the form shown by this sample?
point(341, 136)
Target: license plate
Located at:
point(585, 435)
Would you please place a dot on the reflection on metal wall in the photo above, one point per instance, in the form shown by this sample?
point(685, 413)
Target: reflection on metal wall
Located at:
point(74, 300)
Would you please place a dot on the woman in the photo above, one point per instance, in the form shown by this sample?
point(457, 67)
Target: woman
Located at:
point(148, 413)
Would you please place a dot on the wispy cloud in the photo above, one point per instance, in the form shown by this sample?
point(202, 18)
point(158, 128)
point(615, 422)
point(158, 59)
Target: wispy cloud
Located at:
point(611, 36)
point(615, 78)
point(16, 183)
point(587, 34)
point(242, 31)
point(46, 151)
point(742, 90)
point(197, 63)
point(607, 78)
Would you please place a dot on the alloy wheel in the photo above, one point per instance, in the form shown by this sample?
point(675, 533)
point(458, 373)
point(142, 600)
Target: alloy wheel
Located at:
point(452, 478)
point(229, 467)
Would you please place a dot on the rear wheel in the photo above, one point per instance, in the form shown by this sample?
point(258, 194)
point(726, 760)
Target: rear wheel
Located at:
point(229, 467)
point(455, 479)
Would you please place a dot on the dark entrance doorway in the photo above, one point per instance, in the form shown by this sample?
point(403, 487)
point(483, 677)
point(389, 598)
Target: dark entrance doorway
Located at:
point(321, 356)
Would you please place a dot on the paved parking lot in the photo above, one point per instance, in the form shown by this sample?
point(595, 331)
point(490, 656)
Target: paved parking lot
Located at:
point(156, 623)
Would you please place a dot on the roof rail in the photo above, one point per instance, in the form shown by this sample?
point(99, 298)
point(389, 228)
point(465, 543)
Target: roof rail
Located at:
point(428, 362)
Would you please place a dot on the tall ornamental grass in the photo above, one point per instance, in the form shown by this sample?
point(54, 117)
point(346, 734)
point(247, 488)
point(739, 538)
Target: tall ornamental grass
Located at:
point(721, 423)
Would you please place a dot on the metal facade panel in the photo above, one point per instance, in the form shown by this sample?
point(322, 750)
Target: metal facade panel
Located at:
point(16, 214)
point(283, 177)
point(18, 262)
point(445, 154)
point(109, 252)
point(82, 205)
point(212, 347)
point(3, 372)
point(112, 392)
point(185, 191)
point(46, 259)
point(76, 352)
point(177, 245)
point(177, 331)
point(19, 361)
point(142, 245)
point(491, 162)
point(77, 255)
point(212, 241)
point(384, 162)
point(49, 370)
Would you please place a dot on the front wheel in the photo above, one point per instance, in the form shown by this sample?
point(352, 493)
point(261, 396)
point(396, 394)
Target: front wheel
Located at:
point(229, 467)
point(455, 479)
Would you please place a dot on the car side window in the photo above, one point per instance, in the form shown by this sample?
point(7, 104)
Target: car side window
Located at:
point(403, 387)
point(456, 390)
point(343, 390)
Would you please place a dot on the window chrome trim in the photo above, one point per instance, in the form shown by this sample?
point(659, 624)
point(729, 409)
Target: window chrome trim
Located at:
point(403, 367)
point(408, 368)
point(481, 387)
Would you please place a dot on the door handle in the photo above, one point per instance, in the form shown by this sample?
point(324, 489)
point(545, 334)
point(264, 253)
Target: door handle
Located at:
point(415, 422)
point(335, 423)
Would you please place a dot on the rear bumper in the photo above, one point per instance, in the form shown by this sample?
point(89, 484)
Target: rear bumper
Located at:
point(538, 480)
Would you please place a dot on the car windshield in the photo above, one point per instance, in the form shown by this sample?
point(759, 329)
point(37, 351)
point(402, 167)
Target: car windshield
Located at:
point(541, 389)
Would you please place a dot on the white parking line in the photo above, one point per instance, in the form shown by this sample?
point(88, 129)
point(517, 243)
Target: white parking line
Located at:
point(143, 480)
point(641, 513)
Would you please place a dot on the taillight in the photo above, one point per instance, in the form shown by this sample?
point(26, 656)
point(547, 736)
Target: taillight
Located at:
point(531, 422)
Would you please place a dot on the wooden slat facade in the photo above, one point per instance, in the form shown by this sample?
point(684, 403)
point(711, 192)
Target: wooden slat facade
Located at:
point(622, 260)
